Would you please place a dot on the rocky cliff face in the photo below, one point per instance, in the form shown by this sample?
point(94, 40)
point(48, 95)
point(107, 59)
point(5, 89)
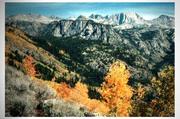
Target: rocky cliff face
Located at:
point(85, 29)
point(144, 48)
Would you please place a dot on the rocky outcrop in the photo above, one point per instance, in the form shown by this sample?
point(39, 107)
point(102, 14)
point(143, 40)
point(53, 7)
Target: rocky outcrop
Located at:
point(85, 29)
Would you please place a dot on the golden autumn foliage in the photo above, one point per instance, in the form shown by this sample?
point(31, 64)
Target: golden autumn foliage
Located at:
point(115, 91)
point(62, 89)
point(28, 64)
point(79, 95)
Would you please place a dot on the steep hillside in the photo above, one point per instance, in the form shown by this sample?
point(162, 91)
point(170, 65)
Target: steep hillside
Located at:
point(18, 46)
point(51, 72)
point(35, 98)
point(82, 59)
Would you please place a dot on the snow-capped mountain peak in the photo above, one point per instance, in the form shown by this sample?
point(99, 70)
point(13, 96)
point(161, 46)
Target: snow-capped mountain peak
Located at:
point(130, 18)
point(120, 20)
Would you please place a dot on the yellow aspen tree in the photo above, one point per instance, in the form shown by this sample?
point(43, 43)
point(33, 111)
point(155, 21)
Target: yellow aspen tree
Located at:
point(115, 91)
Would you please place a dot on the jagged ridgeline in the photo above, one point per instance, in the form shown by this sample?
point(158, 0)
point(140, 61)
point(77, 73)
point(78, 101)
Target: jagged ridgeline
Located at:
point(66, 52)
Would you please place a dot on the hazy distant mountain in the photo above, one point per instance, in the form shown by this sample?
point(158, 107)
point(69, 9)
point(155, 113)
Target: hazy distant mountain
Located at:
point(81, 17)
point(164, 21)
point(32, 18)
point(96, 16)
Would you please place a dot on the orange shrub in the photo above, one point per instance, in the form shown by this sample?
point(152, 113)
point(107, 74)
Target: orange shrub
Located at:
point(28, 64)
point(62, 89)
point(79, 95)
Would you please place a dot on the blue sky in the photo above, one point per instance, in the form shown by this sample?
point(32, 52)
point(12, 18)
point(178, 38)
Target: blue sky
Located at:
point(64, 10)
